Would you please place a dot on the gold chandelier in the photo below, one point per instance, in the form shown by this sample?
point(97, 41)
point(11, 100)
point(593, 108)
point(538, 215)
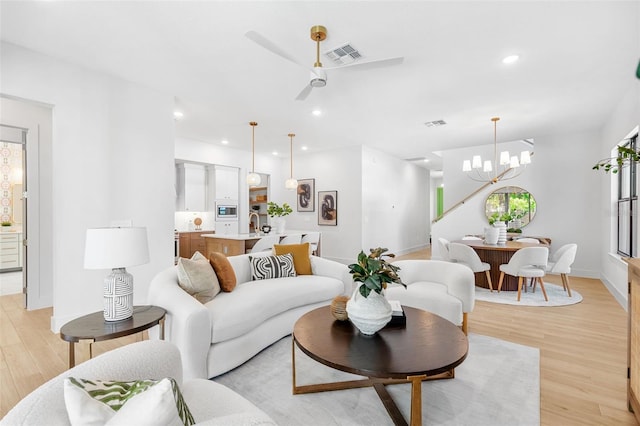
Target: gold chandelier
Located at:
point(494, 171)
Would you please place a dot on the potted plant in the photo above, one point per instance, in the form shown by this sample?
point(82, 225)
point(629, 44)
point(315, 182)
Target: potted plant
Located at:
point(368, 309)
point(277, 214)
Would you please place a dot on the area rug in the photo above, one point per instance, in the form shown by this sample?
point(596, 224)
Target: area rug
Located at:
point(498, 384)
point(556, 294)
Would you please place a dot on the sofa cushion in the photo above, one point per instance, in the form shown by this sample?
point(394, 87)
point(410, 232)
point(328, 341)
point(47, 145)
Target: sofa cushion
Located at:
point(253, 302)
point(300, 254)
point(224, 271)
point(429, 296)
point(197, 277)
point(141, 402)
point(267, 267)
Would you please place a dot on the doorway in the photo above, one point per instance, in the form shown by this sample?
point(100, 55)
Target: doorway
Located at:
point(13, 276)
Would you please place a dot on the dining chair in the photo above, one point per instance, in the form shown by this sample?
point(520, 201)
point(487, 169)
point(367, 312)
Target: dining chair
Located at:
point(443, 245)
point(560, 263)
point(265, 243)
point(462, 253)
point(291, 239)
point(528, 262)
point(528, 240)
point(313, 238)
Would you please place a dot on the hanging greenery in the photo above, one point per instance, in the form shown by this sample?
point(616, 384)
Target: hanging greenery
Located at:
point(626, 154)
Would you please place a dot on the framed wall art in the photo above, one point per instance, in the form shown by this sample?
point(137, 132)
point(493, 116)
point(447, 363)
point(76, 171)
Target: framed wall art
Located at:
point(306, 190)
point(328, 208)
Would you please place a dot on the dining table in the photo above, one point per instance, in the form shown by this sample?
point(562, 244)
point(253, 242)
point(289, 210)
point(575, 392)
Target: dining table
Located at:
point(496, 255)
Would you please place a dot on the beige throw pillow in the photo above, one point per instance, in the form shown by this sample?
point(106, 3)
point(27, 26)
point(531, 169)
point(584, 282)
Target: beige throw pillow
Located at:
point(197, 277)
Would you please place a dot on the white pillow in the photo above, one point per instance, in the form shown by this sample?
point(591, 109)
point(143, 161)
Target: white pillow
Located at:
point(197, 277)
point(154, 403)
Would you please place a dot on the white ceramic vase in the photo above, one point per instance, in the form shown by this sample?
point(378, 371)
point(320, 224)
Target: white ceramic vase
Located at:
point(491, 235)
point(369, 314)
point(279, 224)
point(502, 235)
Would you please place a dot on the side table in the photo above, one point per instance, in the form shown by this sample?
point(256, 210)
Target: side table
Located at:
point(94, 328)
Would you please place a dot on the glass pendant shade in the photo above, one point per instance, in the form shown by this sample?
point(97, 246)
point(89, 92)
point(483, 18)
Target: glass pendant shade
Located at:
point(291, 184)
point(253, 179)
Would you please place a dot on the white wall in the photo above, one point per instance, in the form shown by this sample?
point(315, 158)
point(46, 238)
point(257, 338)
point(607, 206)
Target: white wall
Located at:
point(562, 182)
point(624, 118)
point(112, 152)
point(395, 203)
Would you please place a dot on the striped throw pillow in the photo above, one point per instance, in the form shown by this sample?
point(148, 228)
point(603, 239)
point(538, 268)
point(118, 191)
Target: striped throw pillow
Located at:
point(265, 267)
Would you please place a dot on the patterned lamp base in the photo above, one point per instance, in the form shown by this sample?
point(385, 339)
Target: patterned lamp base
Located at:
point(118, 295)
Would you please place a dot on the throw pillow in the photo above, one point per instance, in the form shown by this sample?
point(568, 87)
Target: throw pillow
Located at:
point(224, 271)
point(196, 277)
point(300, 253)
point(141, 402)
point(263, 268)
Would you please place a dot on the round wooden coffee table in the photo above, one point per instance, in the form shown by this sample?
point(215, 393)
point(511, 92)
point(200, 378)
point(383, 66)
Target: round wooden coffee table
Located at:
point(428, 347)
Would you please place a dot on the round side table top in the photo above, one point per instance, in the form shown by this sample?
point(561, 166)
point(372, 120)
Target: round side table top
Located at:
point(94, 327)
point(428, 344)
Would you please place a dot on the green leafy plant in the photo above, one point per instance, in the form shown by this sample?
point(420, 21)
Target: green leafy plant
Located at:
point(613, 164)
point(274, 210)
point(374, 272)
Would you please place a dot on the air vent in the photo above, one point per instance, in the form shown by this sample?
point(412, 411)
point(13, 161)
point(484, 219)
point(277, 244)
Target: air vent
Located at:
point(435, 123)
point(343, 55)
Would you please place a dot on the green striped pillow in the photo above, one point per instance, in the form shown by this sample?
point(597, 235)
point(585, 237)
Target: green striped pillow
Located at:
point(102, 402)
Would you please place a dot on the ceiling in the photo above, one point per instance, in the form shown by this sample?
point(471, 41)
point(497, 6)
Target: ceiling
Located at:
point(577, 59)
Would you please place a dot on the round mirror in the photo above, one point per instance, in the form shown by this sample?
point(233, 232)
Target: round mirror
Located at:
point(512, 205)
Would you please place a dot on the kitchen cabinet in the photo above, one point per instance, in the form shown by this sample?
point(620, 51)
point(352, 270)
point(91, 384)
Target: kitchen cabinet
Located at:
point(227, 228)
point(191, 185)
point(633, 345)
point(10, 251)
point(191, 242)
point(226, 183)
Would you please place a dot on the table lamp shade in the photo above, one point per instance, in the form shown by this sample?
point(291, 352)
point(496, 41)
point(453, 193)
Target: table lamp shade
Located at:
point(108, 248)
point(116, 248)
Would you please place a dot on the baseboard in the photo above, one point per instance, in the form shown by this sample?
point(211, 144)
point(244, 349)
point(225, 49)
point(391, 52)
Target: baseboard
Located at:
point(620, 298)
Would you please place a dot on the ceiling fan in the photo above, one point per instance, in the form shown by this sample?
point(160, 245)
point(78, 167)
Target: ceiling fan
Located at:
point(318, 72)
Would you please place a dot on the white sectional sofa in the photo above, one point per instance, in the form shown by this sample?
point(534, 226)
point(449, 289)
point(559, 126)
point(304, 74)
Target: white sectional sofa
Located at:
point(225, 332)
point(210, 403)
point(444, 288)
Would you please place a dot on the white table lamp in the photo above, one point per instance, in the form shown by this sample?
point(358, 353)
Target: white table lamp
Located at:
point(116, 248)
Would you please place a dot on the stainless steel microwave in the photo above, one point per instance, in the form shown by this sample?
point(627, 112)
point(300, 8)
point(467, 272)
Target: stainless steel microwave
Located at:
point(226, 211)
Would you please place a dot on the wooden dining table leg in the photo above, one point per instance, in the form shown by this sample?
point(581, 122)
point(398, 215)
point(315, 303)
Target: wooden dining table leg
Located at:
point(416, 399)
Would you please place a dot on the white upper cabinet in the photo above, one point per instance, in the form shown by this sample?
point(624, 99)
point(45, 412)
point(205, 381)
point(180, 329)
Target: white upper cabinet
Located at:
point(191, 182)
point(227, 183)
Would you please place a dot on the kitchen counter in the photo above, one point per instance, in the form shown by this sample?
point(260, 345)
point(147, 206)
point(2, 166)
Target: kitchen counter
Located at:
point(235, 244)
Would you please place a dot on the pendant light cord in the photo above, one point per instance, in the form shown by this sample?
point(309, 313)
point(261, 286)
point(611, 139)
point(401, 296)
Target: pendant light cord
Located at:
point(291, 135)
point(253, 125)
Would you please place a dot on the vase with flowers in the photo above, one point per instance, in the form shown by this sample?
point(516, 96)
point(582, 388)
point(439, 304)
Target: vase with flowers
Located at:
point(277, 214)
point(368, 308)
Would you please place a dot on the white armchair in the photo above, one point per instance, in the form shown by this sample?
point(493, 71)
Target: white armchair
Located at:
point(444, 288)
point(210, 403)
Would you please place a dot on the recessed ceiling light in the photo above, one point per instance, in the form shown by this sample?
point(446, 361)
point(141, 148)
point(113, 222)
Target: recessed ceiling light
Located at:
point(316, 112)
point(304, 148)
point(177, 115)
point(510, 59)
point(225, 142)
point(275, 152)
point(426, 160)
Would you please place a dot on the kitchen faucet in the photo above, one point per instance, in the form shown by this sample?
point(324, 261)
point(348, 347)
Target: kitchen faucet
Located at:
point(257, 228)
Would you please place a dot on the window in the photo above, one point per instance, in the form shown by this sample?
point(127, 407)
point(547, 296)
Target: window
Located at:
point(628, 188)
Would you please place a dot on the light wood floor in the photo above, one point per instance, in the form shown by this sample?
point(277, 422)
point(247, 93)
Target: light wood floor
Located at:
point(583, 348)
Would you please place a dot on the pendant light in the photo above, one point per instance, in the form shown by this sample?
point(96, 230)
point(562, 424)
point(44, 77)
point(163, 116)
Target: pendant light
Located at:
point(253, 178)
point(291, 183)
